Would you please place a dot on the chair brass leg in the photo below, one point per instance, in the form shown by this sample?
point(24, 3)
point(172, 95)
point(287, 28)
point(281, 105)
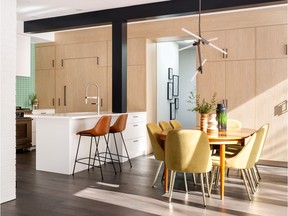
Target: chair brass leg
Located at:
point(249, 180)
point(194, 178)
point(172, 181)
point(245, 183)
point(202, 187)
point(258, 173)
point(185, 181)
point(207, 183)
point(212, 178)
point(157, 173)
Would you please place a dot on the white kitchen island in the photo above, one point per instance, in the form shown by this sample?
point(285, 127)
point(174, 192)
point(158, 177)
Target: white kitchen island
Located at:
point(56, 139)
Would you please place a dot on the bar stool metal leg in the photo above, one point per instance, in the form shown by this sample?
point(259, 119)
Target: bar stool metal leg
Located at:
point(110, 154)
point(126, 150)
point(97, 154)
point(117, 152)
point(76, 154)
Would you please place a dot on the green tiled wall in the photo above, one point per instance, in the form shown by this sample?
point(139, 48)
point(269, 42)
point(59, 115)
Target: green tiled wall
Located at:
point(25, 86)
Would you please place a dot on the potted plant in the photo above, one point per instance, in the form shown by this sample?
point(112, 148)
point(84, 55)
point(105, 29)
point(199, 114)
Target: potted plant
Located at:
point(203, 107)
point(34, 100)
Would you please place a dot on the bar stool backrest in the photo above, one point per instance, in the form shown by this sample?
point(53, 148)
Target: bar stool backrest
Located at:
point(102, 126)
point(120, 124)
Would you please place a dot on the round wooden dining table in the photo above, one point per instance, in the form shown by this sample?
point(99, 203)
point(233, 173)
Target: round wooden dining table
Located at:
point(222, 139)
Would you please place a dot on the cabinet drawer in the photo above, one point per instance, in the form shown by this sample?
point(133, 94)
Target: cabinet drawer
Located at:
point(136, 147)
point(134, 130)
point(136, 117)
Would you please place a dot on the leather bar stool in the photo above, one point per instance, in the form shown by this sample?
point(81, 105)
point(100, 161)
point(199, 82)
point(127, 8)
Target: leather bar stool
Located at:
point(118, 127)
point(100, 129)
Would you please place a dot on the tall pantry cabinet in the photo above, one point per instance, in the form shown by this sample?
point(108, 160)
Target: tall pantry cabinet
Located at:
point(74, 66)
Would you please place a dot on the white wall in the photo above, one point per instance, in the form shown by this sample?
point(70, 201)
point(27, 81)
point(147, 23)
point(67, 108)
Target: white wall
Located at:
point(187, 68)
point(7, 98)
point(167, 57)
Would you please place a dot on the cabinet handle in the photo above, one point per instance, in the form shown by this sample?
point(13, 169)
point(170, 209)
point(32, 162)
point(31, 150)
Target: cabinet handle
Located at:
point(227, 52)
point(62, 63)
point(101, 103)
point(58, 101)
point(97, 60)
point(135, 116)
point(65, 87)
point(53, 102)
point(223, 55)
point(286, 49)
point(135, 125)
point(135, 141)
point(53, 63)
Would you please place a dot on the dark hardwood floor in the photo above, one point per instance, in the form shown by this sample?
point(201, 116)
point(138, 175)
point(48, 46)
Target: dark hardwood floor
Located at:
point(130, 193)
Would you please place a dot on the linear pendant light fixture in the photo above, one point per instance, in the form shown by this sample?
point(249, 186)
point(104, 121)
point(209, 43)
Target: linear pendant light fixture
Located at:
point(198, 42)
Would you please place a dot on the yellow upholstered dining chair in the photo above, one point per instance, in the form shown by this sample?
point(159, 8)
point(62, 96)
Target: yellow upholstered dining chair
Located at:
point(245, 160)
point(175, 124)
point(188, 151)
point(165, 126)
point(158, 150)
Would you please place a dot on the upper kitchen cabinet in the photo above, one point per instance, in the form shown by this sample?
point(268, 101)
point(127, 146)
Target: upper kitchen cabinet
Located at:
point(271, 42)
point(96, 50)
point(136, 51)
point(45, 56)
point(209, 53)
point(240, 44)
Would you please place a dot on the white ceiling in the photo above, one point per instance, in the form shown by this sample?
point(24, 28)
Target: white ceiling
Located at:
point(38, 9)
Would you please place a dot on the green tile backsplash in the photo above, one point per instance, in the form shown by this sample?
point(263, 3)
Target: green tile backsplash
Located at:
point(25, 86)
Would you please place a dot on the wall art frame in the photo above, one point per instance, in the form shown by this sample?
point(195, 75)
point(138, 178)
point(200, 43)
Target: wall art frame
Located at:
point(175, 81)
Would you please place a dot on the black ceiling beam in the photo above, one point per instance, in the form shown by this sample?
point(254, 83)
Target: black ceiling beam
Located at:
point(136, 13)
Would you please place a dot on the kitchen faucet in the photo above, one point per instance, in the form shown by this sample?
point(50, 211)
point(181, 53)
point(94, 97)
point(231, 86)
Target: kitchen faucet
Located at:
point(97, 97)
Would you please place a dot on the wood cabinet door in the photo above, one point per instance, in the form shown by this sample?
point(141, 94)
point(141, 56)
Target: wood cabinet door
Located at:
point(44, 57)
point(136, 51)
point(45, 88)
point(136, 87)
point(240, 91)
point(271, 106)
point(59, 89)
point(212, 80)
point(271, 42)
point(78, 74)
point(96, 50)
point(240, 44)
point(208, 52)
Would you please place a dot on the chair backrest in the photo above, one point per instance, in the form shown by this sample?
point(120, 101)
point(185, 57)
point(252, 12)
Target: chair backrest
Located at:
point(188, 151)
point(251, 152)
point(165, 126)
point(102, 126)
point(120, 124)
point(175, 124)
point(265, 127)
point(153, 130)
point(233, 124)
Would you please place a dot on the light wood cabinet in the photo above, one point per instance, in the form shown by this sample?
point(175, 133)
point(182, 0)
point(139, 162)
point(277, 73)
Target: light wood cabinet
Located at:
point(45, 75)
point(240, 91)
point(136, 51)
point(45, 57)
point(239, 43)
point(271, 42)
point(45, 88)
point(209, 53)
point(271, 106)
point(136, 87)
point(72, 82)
